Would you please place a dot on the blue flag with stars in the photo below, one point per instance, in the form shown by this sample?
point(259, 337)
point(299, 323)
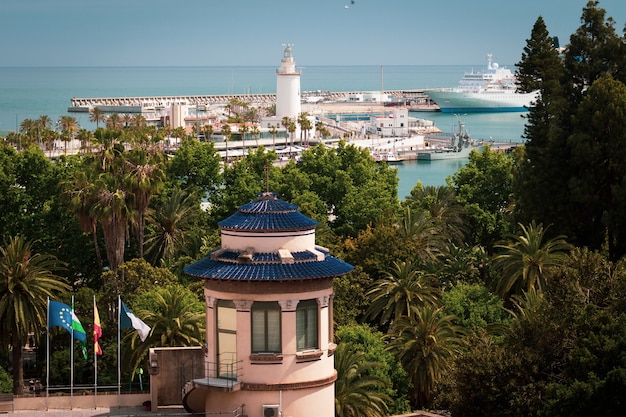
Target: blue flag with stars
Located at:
point(60, 315)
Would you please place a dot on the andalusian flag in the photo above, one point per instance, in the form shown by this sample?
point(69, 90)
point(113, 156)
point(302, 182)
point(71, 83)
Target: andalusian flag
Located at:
point(97, 329)
point(79, 331)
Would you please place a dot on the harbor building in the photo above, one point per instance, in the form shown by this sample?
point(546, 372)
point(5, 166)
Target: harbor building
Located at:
point(269, 323)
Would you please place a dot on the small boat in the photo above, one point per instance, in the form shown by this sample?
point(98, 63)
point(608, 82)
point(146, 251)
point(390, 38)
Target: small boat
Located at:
point(388, 157)
point(461, 144)
point(492, 90)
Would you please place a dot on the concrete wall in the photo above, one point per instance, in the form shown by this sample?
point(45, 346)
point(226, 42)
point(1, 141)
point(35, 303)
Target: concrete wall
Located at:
point(65, 402)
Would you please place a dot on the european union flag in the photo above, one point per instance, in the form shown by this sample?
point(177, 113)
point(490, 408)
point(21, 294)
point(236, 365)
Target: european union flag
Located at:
point(60, 314)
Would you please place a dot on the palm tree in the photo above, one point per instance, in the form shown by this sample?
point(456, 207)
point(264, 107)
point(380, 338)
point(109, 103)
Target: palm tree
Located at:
point(174, 322)
point(398, 294)
point(208, 132)
point(422, 233)
point(68, 125)
point(113, 210)
point(97, 115)
point(525, 261)
point(169, 228)
point(273, 132)
point(227, 133)
point(285, 122)
point(291, 128)
point(441, 203)
point(305, 126)
point(358, 391)
point(114, 122)
point(27, 280)
point(425, 344)
point(144, 179)
point(255, 132)
point(82, 198)
point(85, 137)
point(243, 129)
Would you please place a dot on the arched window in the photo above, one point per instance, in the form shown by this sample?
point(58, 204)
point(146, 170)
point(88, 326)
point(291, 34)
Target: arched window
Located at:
point(266, 335)
point(307, 325)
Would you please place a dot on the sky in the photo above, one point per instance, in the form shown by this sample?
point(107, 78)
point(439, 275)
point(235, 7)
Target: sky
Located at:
point(57, 33)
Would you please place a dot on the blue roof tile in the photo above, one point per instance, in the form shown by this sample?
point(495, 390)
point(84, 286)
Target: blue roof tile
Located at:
point(268, 213)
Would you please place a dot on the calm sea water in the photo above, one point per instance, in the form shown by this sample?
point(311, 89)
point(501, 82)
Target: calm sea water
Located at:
point(31, 92)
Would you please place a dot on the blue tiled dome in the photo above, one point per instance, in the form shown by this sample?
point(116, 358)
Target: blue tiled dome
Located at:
point(267, 213)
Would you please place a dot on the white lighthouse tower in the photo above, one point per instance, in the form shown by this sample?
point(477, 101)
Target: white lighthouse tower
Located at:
point(288, 87)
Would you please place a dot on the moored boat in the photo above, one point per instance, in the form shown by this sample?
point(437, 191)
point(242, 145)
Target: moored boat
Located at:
point(492, 90)
point(461, 145)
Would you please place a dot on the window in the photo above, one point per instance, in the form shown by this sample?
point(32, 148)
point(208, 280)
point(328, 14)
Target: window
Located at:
point(266, 327)
point(306, 325)
point(226, 338)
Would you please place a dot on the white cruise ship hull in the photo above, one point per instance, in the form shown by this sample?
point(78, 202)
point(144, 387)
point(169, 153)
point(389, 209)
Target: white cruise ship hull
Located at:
point(458, 101)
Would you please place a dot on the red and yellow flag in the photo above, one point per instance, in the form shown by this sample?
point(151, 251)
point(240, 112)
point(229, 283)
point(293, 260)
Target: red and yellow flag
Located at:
point(97, 330)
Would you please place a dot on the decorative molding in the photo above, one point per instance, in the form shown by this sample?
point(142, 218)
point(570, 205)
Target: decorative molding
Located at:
point(266, 358)
point(243, 305)
point(290, 386)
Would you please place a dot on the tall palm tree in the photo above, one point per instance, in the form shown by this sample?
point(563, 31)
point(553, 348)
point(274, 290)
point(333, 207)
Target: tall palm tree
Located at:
point(526, 260)
point(243, 129)
point(27, 280)
point(227, 133)
point(97, 115)
point(422, 233)
point(115, 122)
point(441, 203)
point(207, 130)
point(273, 132)
point(255, 132)
point(398, 294)
point(68, 125)
point(425, 344)
point(82, 198)
point(358, 392)
point(113, 210)
point(305, 126)
point(169, 228)
point(144, 179)
point(85, 137)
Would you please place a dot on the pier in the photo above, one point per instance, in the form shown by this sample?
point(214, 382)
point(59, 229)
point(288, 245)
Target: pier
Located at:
point(139, 104)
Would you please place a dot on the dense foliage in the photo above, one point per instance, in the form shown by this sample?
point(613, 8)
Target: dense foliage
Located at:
point(500, 294)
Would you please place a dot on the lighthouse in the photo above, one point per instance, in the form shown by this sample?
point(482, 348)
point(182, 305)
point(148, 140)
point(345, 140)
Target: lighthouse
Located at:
point(288, 86)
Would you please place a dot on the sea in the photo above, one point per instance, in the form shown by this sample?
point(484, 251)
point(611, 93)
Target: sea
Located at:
point(34, 91)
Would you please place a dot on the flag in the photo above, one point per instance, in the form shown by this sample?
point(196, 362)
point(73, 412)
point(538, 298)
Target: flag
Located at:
point(129, 321)
point(97, 329)
point(79, 331)
point(60, 315)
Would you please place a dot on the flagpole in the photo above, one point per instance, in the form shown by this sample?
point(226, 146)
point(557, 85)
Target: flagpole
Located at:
point(72, 362)
point(47, 351)
point(95, 360)
point(119, 350)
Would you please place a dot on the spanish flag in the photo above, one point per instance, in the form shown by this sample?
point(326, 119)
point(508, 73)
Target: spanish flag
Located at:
point(97, 330)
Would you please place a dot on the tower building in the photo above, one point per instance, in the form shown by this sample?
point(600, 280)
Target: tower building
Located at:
point(269, 324)
point(288, 86)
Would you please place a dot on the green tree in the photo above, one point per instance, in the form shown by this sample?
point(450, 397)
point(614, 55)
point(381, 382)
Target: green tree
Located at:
point(425, 343)
point(196, 166)
point(27, 280)
point(357, 389)
point(371, 344)
point(484, 189)
point(525, 262)
point(176, 318)
point(145, 177)
point(97, 115)
point(400, 294)
point(171, 226)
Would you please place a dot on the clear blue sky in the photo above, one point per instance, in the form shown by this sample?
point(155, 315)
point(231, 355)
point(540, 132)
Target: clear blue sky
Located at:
point(251, 32)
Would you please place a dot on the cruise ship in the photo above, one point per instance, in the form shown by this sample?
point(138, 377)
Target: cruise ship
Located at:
point(493, 90)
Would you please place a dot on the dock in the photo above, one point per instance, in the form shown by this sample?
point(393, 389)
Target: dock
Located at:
point(410, 98)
